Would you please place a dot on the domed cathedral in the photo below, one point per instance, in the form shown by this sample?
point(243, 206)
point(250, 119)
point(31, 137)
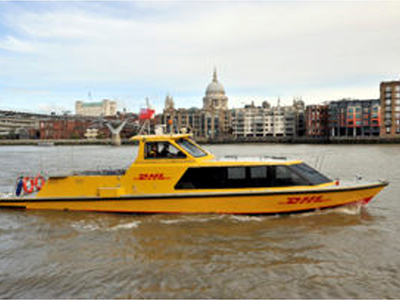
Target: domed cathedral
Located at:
point(217, 121)
point(215, 97)
point(213, 121)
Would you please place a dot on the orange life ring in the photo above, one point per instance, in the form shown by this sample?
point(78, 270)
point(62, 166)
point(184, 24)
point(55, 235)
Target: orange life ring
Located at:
point(28, 185)
point(39, 181)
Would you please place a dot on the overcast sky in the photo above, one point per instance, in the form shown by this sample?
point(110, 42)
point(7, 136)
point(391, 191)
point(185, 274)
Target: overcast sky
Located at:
point(54, 53)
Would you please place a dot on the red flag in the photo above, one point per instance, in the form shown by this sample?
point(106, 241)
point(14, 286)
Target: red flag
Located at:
point(146, 113)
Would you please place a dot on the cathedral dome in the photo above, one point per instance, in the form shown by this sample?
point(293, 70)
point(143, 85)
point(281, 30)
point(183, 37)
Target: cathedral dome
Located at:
point(215, 87)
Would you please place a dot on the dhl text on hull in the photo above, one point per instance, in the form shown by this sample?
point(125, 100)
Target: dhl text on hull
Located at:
point(172, 174)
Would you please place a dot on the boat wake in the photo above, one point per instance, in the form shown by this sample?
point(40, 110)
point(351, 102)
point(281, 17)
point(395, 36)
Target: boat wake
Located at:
point(192, 219)
point(89, 227)
point(351, 209)
point(248, 218)
point(85, 227)
point(212, 218)
point(134, 224)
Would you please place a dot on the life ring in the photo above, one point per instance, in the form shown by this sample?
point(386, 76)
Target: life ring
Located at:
point(28, 185)
point(39, 181)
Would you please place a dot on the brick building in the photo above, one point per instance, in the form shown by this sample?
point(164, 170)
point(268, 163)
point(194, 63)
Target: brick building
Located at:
point(317, 120)
point(64, 128)
point(390, 109)
point(354, 118)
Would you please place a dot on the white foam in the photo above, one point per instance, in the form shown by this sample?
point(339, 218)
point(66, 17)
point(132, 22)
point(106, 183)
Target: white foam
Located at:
point(247, 218)
point(130, 225)
point(192, 219)
point(168, 222)
point(351, 209)
point(84, 227)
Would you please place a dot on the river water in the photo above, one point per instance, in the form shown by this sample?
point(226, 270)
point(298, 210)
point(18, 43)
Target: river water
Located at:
point(342, 253)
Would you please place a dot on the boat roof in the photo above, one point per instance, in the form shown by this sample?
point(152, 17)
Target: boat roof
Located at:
point(160, 137)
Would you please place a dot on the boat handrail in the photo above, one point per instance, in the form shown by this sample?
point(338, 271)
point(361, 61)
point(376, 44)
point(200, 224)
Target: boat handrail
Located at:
point(253, 158)
point(101, 172)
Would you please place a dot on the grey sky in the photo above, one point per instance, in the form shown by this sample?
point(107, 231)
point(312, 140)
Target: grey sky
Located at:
point(52, 54)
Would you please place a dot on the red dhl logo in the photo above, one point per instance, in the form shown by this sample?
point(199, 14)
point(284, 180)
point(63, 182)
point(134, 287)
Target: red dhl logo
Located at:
point(152, 176)
point(304, 200)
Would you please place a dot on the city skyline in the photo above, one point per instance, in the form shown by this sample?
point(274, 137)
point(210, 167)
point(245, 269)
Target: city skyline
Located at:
point(54, 53)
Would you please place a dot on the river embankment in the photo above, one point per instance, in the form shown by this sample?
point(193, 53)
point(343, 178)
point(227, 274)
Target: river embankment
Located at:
point(224, 140)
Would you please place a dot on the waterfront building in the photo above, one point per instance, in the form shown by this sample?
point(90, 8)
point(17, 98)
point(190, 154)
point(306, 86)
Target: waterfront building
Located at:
point(317, 120)
point(267, 121)
point(253, 121)
point(65, 127)
point(354, 118)
point(300, 116)
point(96, 109)
point(20, 125)
point(390, 109)
point(192, 119)
point(81, 127)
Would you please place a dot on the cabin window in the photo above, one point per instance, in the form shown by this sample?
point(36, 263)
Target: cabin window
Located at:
point(191, 147)
point(258, 172)
point(162, 150)
point(238, 173)
point(250, 177)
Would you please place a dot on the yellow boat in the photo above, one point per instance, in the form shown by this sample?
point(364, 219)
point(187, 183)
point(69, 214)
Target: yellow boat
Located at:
point(173, 174)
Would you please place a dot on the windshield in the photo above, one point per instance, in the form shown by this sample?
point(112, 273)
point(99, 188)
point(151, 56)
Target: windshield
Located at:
point(191, 148)
point(312, 175)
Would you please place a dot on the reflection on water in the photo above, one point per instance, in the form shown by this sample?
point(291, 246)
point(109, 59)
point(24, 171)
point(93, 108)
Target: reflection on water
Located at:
point(348, 252)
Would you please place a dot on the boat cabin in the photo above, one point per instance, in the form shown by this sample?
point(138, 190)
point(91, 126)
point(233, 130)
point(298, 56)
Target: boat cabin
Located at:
point(204, 172)
point(169, 148)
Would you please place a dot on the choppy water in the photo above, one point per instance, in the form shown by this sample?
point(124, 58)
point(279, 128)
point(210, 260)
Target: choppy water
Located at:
point(347, 253)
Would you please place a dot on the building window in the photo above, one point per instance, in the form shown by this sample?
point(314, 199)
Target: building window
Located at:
point(387, 129)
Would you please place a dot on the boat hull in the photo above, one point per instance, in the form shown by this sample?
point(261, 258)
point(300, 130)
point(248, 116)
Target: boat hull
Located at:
point(246, 202)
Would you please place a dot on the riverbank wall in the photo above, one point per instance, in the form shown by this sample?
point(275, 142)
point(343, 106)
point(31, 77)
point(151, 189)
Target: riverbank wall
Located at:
point(301, 140)
point(225, 140)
